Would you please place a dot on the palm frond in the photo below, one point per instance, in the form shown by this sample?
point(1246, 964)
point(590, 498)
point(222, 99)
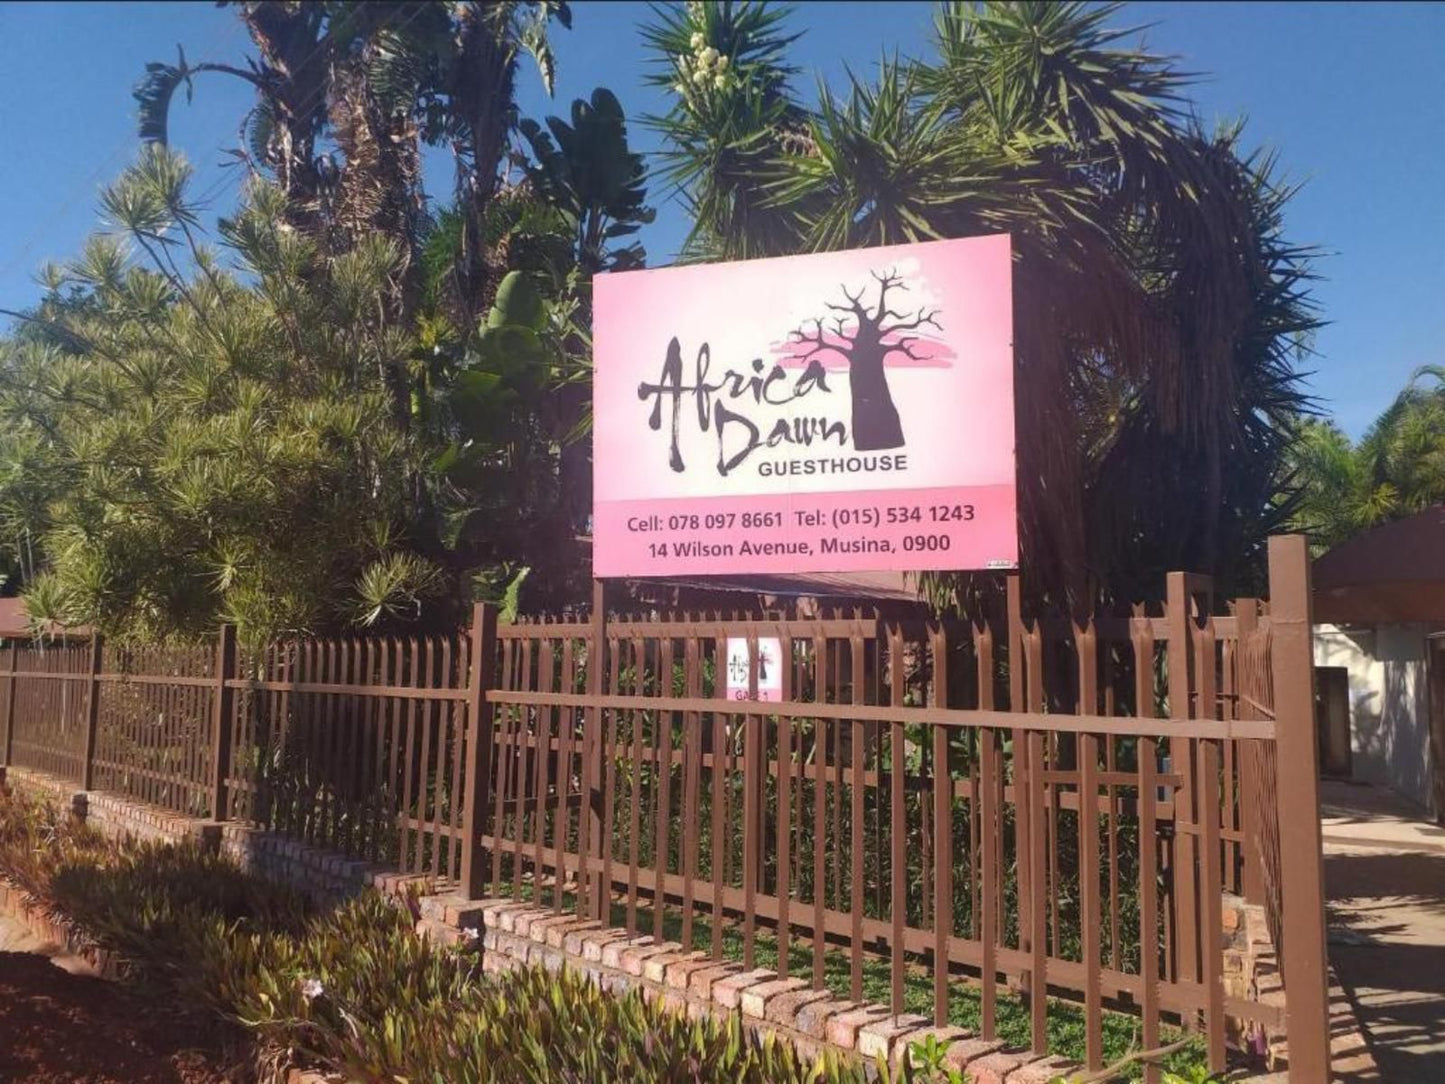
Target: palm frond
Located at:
point(153, 96)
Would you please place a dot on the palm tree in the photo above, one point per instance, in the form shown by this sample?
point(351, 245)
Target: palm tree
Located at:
point(379, 79)
point(1396, 469)
point(1159, 308)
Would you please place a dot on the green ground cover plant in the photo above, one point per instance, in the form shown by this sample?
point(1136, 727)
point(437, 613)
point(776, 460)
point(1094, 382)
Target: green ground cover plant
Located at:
point(349, 989)
point(1066, 1021)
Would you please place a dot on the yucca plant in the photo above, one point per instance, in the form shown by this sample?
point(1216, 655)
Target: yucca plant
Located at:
point(1160, 308)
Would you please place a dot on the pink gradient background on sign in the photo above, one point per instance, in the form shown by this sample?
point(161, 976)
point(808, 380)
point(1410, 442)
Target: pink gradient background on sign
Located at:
point(956, 406)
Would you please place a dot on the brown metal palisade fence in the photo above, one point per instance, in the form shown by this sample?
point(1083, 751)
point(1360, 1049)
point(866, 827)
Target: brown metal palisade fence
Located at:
point(1000, 806)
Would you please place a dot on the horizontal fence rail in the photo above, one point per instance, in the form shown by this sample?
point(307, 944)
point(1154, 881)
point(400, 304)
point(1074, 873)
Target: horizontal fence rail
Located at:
point(1030, 849)
point(954, 816)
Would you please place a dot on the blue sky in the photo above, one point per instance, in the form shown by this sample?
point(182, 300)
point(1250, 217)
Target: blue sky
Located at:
point(1351, 96)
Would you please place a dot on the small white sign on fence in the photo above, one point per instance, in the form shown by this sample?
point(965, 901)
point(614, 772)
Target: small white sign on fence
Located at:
point(770, 668)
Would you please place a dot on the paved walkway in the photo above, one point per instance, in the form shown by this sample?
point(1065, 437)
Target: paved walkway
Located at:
point(1385, 889)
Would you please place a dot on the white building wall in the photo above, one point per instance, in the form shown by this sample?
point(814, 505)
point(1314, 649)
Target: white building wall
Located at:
point(1389, 703)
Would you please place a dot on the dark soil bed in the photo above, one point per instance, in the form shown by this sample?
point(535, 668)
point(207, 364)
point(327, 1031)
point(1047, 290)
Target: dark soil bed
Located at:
point(59, 1028)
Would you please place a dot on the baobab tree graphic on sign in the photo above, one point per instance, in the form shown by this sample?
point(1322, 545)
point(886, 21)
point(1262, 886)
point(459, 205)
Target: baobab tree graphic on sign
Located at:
point(865, 338)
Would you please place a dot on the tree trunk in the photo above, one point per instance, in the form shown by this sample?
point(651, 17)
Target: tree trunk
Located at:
point(875, 419)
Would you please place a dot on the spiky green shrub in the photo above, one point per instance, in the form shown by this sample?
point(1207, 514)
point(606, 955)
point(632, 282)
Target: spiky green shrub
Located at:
point(351, 990)
point(37, 838)
point(178, 914)
point(360, 995)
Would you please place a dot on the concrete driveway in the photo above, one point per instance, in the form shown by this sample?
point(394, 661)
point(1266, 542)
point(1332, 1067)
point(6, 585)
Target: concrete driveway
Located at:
point(1385, 896)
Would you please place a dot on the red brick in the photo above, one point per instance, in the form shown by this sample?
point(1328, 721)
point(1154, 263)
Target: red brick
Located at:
point(842, 1030)
point(812, 1019)
point(522, 921)
point(439, 932)
point(728, 992)
point(494, 964)
point(754, 1001)
point(945, 1035)
point(541, 928)
point(493, 910)
point(654, 968)
point(784, 1008)
point(994, 1068)
point(596, 942)
point(964, 1053)
point(634, 960)
point(613, 950)
point(572, 940)
point(518, 948)
point(701, 981)
point(435, 907)
point(879, 1040)
point(681, 969)
point(808, 1050)
point(461, 912)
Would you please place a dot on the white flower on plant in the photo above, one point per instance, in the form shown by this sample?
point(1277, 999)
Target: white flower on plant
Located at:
point(721, 82)
point(311, 989)
point(722, 63)
point(699, 77)
point(698, 41)
point(681, 88)
point(709, 55)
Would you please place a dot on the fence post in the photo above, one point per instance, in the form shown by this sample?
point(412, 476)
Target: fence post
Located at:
point(479, 748)
point(221, 719)
point(1246, 613)
point(1184, 843)
point(92, 715)
point(593, 743)
point(7, 736)
point(1306, 983)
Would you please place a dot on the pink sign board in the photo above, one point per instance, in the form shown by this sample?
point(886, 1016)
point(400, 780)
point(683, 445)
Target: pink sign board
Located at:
point(845, 411)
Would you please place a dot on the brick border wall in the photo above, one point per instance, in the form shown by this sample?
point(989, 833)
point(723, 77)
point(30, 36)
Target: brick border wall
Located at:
point(1251, 970)
point(323, 875)
point(515, 934)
